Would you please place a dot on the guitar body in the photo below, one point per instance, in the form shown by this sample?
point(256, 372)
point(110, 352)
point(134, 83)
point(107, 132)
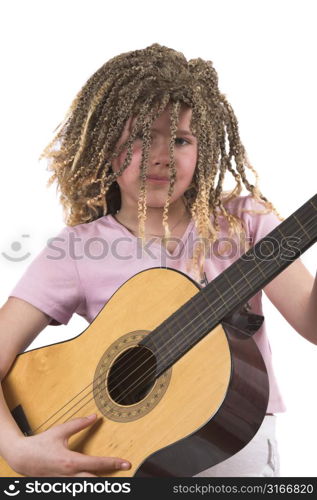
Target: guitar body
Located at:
point(199, 412)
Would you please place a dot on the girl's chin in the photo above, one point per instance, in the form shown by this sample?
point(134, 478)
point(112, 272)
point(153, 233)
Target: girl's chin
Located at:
point(155, 203)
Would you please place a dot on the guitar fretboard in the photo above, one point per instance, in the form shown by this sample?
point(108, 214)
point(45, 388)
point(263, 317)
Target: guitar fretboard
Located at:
point(234, 287)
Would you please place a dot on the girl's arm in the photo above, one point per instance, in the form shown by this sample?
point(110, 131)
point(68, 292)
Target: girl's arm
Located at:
point(294, 294)
point(20, 323)
point(47, 453)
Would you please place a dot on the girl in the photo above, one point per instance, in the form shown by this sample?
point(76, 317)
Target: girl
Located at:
point(140, 161)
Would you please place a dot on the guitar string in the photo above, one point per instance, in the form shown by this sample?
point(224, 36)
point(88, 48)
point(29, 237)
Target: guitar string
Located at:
point(78, 409)
point(209, 304)
point(140, 359)
point(170, 340)
point(103, 374)
point(85, 395)
point(131, 357)
point(180, 330)
point(133, 387)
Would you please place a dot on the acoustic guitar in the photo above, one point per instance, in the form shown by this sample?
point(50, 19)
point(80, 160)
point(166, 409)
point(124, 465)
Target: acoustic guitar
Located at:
point(170, 368)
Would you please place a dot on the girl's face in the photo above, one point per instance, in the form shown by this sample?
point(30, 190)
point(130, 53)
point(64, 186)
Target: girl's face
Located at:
point(185, 161)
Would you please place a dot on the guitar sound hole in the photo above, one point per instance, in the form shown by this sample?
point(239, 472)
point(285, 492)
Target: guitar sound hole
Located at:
point(132, 376)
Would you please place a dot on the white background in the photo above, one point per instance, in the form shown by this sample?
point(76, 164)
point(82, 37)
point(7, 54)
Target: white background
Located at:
point(265, 55)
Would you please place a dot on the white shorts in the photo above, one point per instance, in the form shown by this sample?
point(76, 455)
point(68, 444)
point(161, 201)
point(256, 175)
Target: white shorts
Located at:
point(259, 458)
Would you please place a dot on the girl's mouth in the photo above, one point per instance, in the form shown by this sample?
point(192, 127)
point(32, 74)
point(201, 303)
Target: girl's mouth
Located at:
point(156, 178)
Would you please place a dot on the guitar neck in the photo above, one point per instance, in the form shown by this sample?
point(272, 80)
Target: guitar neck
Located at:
point(234, 287)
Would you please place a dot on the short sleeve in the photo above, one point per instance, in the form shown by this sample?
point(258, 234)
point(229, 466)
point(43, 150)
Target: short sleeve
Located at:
point(258, 225)
point(51, 282)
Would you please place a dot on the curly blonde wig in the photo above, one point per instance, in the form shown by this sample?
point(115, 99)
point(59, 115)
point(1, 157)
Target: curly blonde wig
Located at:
point(142, 83)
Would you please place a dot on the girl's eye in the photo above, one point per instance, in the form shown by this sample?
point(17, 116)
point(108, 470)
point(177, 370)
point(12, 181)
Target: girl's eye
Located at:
point(140, 136)
point(181, 139)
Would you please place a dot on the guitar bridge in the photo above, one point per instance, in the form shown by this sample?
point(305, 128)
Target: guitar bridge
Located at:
point(20, 418)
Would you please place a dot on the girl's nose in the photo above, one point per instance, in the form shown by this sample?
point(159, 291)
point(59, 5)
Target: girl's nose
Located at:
point(159, 153)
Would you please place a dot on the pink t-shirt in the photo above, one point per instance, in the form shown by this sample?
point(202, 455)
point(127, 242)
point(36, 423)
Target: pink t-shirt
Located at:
point(81, 268)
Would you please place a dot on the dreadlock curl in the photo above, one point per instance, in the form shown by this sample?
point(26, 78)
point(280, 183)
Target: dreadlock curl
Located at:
point(141, 83)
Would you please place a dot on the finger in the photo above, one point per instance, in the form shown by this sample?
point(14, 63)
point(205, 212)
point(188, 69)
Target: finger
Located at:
point(98, 464)
point(77, 424)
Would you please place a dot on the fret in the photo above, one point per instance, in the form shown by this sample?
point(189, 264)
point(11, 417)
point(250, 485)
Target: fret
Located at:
point(313, 204)
point(281, 232)
point(167, 343)
point(273, 256)
point(203, 295)
point(300, 224)
point(276, 257)
point(304, 219)
point(289, 226)
point(176, 328)
point(220, 294)
point(169, 347)
point(187, 315)
point(283, 238)
point(214, 293)
point(243, 274)
point(200, 314)
point(267, 273)
point(181, 341)
point(246, 276)
point(266, 248)
point(260, 269)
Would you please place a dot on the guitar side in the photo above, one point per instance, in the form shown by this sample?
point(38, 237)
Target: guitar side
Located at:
point(55, 383)
point(231, 428)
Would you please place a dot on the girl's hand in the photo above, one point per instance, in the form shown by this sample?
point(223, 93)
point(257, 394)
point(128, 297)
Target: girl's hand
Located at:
point(47, 454)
